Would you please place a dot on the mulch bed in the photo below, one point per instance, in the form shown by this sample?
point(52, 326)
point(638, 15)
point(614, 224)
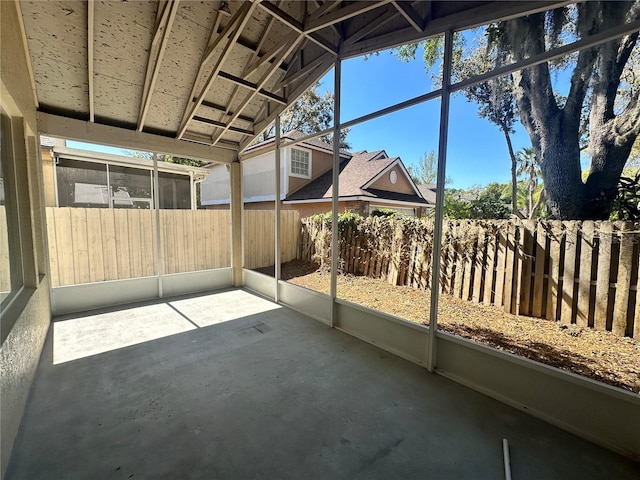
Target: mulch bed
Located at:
point(601, 356)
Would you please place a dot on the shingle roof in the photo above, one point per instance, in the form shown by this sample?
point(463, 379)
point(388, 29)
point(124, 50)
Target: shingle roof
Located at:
point(428, 191)
point(354, 173)
point(295, 135)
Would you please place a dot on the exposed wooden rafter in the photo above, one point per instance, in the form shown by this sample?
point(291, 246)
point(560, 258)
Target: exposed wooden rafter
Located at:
point(90, 28)
point(244, 131)
point(298, 90)
point(296, 25)
point(223, 109)
point(156, 54)
point(410, 15)
point(385, 17)
point(294, 40)
point(344, 13)
point(239, 21)
point(252, 86)
point(323, 9)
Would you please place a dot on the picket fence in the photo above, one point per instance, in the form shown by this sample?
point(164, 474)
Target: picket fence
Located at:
point(584, 273)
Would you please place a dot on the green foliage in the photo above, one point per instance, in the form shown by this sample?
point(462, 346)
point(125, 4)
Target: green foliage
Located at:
point(311, 113)
point(626, 205)
point(455, 206)
point(490, 202)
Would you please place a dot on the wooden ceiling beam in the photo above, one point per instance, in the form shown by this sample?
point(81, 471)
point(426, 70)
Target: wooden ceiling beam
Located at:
point(410, 15)
point(217, 123)
point(370, 27)
point(240, 20)
point(252, 86)
point(344, 13)
point(296, 25)
point(224, 109)
point(260, 126)
point(294, 40)
point(81, 131)
point(90, 34)
point(156, 54)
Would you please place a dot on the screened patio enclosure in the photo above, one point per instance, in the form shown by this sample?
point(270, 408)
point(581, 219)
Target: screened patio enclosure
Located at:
point(202, 80)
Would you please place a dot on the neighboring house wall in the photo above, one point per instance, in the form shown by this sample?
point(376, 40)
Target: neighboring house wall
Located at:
point(321, 162)
point(258, 175)
point(402, 184)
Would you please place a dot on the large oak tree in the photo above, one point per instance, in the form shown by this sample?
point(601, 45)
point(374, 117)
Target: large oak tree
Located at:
point(599, 114)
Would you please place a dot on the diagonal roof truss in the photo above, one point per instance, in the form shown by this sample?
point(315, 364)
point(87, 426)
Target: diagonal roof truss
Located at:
point(215, 73)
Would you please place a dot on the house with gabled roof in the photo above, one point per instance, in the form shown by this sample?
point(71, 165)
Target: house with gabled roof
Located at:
point(368, 181)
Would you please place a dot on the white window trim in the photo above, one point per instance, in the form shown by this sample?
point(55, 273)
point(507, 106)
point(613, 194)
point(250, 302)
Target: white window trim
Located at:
point(290, 161)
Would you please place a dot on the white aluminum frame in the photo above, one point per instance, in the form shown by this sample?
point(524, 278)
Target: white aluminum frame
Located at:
point(543, 391)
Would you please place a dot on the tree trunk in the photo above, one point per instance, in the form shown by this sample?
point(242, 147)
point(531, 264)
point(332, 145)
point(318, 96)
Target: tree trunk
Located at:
point(555, 131)
point(514, 175)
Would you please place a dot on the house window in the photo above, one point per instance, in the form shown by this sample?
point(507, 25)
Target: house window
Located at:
point(11, 272)
point(300, 163)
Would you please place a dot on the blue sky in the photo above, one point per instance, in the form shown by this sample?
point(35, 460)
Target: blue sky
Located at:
point(477, 152)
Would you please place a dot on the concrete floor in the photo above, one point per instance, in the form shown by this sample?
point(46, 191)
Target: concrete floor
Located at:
point(231, 386)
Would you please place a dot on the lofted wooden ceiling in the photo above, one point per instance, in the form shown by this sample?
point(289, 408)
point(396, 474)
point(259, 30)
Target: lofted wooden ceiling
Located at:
point(215, 72)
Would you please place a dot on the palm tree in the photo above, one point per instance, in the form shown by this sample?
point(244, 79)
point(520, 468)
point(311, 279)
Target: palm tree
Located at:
point(528, 166)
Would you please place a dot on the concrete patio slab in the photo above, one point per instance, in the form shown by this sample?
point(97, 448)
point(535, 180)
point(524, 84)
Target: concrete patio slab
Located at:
point(231, 386)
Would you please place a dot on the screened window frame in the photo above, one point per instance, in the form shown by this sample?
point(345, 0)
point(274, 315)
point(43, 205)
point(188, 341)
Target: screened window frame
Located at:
point(152, 200)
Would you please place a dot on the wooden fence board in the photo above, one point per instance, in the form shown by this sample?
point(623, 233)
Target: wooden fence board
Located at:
point(587, 245)
point(135, 248)
point(518, 267)
point(489, 287)
point(80, 245)
point(623, 282)
point(110, 250)
point(568, 274)
point(65, 245)
point(527, 244)
point(509, 268)
point(469, 255)
point(537, 300)
point(479, 265)
point(555, 238)
point(498, 300)
point(602, 279)
point(54, 265)
point(96, 251)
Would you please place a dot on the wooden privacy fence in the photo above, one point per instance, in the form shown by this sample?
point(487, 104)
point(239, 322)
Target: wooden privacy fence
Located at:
point(572, 272)
point(98, 244)
point(259, 237)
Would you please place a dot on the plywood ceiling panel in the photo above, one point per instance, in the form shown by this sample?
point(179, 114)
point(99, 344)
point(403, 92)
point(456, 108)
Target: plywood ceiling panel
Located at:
point(135, 79)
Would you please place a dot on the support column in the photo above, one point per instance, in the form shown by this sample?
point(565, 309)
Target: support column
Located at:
point(156, 207)
point(437, 228)
point(335, 191)
point(236, 223)
point(278, 208)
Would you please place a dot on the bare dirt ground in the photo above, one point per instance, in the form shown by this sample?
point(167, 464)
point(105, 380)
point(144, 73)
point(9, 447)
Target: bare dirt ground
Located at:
point(601, 356)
